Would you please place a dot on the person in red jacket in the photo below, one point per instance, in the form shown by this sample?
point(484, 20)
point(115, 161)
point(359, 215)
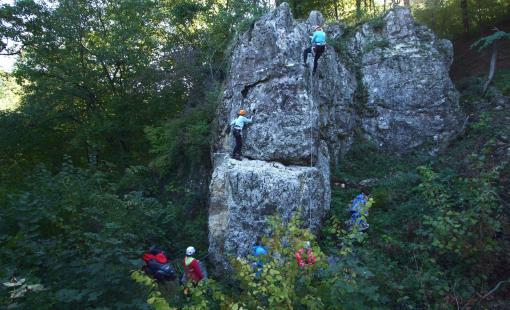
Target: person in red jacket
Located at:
point(192, 266)
point(304, 256)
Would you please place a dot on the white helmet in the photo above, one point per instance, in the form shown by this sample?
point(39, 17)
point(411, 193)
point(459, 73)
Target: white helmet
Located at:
point(190, 251)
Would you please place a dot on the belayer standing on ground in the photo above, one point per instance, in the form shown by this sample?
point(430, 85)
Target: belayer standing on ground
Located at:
point(358, 211)
point(305, 256)
point(237, 131)
point(258, 251)
point(191, 266)
point(318, 47)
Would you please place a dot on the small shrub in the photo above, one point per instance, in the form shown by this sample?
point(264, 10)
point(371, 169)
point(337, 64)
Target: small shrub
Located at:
point(377, 23)
point(381, 44)
point(502, 81)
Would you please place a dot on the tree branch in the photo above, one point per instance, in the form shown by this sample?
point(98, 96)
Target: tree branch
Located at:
point(18, 52)
point(494, 289)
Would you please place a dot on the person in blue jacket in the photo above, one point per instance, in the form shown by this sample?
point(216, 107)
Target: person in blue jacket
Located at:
point(237, 131)
point(318, 45)
point(357, 210)
point(257, 251)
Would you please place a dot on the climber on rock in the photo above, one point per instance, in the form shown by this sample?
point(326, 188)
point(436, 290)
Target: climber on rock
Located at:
point(192, 269)
point(237, 131)
point(318, 47)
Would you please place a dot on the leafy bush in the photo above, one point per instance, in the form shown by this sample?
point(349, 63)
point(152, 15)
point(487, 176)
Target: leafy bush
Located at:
point(437, 234)
point(73, 234)
point(502, 81)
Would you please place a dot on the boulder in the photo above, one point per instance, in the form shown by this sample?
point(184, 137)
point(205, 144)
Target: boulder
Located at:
point(244, 193)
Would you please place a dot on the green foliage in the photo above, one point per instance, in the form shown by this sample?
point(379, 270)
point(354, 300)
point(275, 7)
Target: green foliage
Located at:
point(182, 143)
point(184, 12)
point(73, 234)
point(467, 229)
point(436, 236)
point(155, 297)
point(127, 90)
point(281, 284)
point(502, 81)
point(446, 17)
point(378, 44)
point(377, 22)
point(9, 92)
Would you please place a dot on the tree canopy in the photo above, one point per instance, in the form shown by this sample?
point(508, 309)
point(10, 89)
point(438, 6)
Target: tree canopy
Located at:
point(105, 150)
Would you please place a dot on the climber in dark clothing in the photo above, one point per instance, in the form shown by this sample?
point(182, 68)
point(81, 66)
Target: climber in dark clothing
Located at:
point(318, 46)
point(237, 126)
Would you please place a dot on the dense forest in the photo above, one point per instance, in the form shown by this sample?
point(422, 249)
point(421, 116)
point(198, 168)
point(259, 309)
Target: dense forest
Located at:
point(105, 129)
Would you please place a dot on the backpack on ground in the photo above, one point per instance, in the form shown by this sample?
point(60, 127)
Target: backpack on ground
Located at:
point(158, 266)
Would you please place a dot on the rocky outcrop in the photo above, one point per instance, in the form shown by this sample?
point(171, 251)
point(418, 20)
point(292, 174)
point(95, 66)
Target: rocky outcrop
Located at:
point(388, 82)
point(244, 193)
point(411, 101)
point(268, 79)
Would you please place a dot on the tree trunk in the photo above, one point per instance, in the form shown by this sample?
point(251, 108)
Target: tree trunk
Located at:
point(492, 68)
point(407, 3)
point(336, 9)
point(384, 6)
point(465, 15)
point(358, 8)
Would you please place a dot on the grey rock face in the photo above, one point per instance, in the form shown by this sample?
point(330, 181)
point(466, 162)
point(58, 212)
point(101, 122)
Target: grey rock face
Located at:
point(267, 79)
point(244, 193)
point(411, 101)
point(389, 83)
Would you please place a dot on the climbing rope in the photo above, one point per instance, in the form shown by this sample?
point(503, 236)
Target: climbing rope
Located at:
point(311, 152)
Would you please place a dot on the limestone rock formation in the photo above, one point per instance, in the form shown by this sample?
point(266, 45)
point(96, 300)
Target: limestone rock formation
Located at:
point(411, 101)
point(388, 82)
point(267, 78)
point(244, 193)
